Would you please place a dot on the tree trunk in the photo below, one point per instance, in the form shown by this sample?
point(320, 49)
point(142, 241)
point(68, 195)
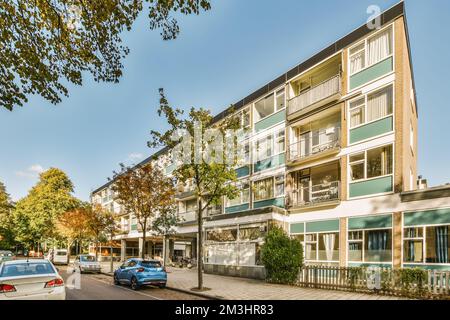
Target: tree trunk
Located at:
point(68, 251)
point(96, 249)
point(200, 246)
point(144, 233)
point(164, 251)
point(111, 266)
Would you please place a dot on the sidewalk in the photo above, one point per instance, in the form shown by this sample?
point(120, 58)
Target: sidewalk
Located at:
point(231, 288)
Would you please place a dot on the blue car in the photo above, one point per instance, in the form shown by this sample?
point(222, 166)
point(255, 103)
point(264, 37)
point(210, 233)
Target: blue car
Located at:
point(137, 272)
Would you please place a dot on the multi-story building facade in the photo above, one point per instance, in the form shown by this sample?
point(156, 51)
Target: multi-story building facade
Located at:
point(333, 150)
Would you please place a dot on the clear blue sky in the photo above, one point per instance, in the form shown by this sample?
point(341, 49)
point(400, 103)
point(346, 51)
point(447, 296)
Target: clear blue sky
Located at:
point(219, 58)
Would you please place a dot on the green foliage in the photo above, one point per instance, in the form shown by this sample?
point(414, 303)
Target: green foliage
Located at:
point(412, 281)
point(36, 214)
point(282, 257)
point(46, 44)
point(6, 221)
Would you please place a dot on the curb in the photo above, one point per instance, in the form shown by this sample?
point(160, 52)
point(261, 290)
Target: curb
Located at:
point(201, 295)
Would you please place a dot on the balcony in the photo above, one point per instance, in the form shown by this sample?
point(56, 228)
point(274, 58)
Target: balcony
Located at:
point(315, 143)
point(315, 194)
point(318, 95)
point(188, 216)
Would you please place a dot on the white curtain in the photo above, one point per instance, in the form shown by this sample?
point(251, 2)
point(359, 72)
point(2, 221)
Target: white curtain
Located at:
point(357, 62)
point(379, 47)
point(379, 104)
point(328, 240)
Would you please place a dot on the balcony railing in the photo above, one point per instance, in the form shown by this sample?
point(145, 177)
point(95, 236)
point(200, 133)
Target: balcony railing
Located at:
point(188, 216)
point(318, 142)
point(315, 194)
point(316, 94)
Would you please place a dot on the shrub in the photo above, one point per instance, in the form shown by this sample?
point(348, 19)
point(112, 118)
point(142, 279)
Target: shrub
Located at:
point(281, 256)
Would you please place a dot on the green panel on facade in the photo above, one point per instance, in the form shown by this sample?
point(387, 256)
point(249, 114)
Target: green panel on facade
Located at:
point(430, 217)
point(372, 73)
point(369, 265)
point(243, 171)
point(371, 130)
point(297, 228)
point(374, 186)
point(272, 162)
point(428, 267)
point(238, 208)
point(278, 202)
point(134, 227)
point(323, 226)
point(271, 121)
point(372, 222)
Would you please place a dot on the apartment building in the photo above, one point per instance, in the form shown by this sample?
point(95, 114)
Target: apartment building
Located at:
point(332, 147)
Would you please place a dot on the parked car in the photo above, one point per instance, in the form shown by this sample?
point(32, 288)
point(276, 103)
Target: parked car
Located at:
point(33, 279)
point(60, 256)
point(6, 255)
point(86, 263)
point(138, 272)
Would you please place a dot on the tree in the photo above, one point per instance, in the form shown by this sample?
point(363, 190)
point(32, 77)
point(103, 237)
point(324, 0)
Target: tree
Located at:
point(282, 256)
point(6, 221)
point(100, 224)
point(36, 214)
point(46, 44)
point(211, 172)
point(165, 221)
point(142, 191)
point(73, 225)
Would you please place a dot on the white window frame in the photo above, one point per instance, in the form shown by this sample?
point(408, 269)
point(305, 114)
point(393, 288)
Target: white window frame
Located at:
point(274, 95)
point(365, 164)
point(317, 234)
point(366, 99)
point(364, 247)
point(424, 244)
point(366, 50)
point(241, 192)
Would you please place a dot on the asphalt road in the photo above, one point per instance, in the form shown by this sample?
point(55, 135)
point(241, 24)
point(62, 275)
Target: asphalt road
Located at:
point(101, 287)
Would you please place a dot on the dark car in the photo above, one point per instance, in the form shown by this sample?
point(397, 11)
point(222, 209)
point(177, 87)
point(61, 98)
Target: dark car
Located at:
point(137, 272)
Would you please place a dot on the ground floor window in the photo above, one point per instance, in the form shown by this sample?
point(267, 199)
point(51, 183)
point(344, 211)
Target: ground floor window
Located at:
point(322, 246)
point(238, 245)
point(429, 244)
point(370, 245)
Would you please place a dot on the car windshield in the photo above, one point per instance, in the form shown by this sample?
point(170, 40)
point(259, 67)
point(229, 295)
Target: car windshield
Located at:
point(151, 264)
point(26, 269)
point(87, 258)
point(61, 253)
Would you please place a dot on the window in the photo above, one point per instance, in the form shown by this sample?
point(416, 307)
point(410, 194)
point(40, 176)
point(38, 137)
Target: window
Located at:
point(371, 51)
point(264, 107)
point(264, 189)
point(413, 245)
point(411, 136)
point(372, 107)
point(280, 99)
point(222, 235)
point(243, 196)
point(272, 144)
point(251, 233)
point(279, 142)
point(370, 245)
point(429, 244)
point(322, 246)
point(371, 163)
point(279, 186)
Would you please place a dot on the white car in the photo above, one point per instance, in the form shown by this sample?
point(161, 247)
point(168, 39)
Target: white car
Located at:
point(86, 263)
point(60, 256)
point(30, 280)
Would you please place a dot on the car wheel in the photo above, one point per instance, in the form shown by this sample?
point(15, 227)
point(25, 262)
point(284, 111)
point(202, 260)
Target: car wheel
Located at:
point(134, 284)
point(116, 280)
point(81, 270)
point(162, 286)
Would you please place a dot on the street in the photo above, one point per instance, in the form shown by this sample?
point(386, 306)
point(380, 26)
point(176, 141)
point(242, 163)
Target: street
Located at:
point(101, 287)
